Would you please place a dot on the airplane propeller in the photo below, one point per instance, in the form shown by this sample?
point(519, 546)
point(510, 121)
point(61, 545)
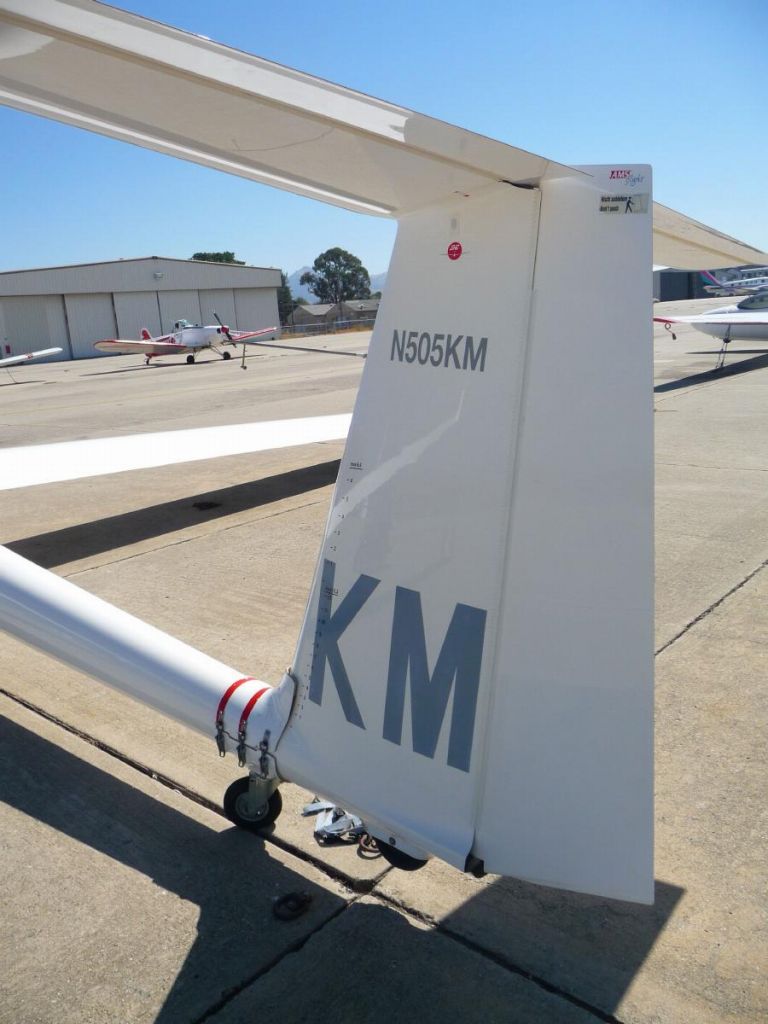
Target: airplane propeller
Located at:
point(224, 329)
point(226, 332)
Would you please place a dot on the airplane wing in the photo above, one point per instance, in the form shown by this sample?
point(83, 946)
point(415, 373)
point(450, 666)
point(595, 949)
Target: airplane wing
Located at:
point(73, 460)
point(246, 335)
point(715, 319)
point(150, 348)
point(12, 360)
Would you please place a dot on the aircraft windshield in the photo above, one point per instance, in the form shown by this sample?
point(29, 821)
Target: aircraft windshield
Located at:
point(757, 301)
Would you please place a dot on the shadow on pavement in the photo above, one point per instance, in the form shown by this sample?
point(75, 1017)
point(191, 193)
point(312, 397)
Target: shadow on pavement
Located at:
point(587, 947)
point(150, 366)
point(86, 539)
point(707, 376)
point(522, 953)
point(229, 875)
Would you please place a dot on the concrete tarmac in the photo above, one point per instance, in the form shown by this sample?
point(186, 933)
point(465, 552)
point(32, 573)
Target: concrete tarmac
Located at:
point(126, 896)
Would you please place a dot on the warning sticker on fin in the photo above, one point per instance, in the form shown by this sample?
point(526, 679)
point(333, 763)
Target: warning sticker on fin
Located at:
point(624, 203)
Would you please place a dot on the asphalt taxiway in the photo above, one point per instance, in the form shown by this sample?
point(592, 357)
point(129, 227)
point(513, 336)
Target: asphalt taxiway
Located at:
point(125, 896)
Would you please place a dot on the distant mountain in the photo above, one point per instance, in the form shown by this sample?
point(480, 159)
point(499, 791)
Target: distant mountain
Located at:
point(300, 291)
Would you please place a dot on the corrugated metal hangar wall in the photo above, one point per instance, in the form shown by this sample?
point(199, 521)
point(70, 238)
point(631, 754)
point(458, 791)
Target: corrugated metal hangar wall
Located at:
point(71, 307)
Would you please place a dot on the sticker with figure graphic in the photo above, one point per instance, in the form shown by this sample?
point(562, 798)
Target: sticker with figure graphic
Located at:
point(624, 203)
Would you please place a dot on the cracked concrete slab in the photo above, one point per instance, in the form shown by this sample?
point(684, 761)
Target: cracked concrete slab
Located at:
point(394, 968)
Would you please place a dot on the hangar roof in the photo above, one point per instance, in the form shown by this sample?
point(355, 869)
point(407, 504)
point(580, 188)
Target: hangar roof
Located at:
point(148, 273)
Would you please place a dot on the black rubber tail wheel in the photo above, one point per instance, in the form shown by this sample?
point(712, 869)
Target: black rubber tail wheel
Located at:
point(237, 807)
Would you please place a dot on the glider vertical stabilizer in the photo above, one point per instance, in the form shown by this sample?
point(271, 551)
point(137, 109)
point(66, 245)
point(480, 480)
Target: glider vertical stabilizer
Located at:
point(474, 669)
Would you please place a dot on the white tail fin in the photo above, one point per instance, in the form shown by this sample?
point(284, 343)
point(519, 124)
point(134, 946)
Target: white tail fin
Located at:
point(474, 670)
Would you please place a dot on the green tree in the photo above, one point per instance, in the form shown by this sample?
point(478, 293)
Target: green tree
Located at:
point(338, 275)
point(218, 257)
point(285, 300)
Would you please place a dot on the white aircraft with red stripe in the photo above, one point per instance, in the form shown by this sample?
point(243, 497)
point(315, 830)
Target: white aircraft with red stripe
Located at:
point(29, 356)
point(185, 338)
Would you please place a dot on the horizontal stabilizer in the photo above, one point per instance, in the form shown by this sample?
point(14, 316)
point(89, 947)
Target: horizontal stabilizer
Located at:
point(103, 69)
point(73, 460)
point(124, 76)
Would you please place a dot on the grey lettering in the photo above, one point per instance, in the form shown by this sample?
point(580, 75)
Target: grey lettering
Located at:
point(328, 631)
point(398, 345)
point(469, 353)
point(458, 351)
point(459, 662)
point(425, 343)
point(451, 344)
point(410, 348)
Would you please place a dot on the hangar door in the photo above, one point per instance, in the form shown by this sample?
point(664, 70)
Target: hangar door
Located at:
point(135, 310)
point(221, 301)
point(179, 305)
point(256, 307)
point(91, 318)
point(31, 322)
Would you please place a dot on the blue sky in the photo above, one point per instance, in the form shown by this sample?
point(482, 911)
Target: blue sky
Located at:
point(681, 85)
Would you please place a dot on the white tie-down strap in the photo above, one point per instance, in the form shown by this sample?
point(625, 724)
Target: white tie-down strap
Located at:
point(250, 719)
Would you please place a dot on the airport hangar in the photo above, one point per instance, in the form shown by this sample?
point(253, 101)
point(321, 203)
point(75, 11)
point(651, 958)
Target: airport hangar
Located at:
point(71, 307)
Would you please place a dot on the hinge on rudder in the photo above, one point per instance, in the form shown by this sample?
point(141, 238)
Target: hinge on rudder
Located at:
point(264, 755)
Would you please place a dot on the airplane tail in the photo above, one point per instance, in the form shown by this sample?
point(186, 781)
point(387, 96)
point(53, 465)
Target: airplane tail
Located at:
point(712, 284)
point(474, 672)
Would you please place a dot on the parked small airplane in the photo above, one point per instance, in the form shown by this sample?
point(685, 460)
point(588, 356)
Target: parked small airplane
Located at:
point(12, 360)
point(744, 321)
point(748, 283)
point(185, 338)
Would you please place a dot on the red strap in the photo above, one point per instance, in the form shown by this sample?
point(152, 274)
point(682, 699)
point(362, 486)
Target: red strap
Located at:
point(249, 708)
point(225, 698)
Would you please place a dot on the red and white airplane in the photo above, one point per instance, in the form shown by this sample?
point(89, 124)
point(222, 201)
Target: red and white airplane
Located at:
point(185, 338)
point(27, 356)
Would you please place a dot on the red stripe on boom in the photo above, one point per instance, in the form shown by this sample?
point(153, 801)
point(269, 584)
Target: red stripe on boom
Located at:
point(228, 693)
point(249, 708)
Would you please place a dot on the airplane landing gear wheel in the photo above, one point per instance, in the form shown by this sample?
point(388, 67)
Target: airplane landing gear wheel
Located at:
point(227, 355)
point(238, 807)
point(190, 359)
